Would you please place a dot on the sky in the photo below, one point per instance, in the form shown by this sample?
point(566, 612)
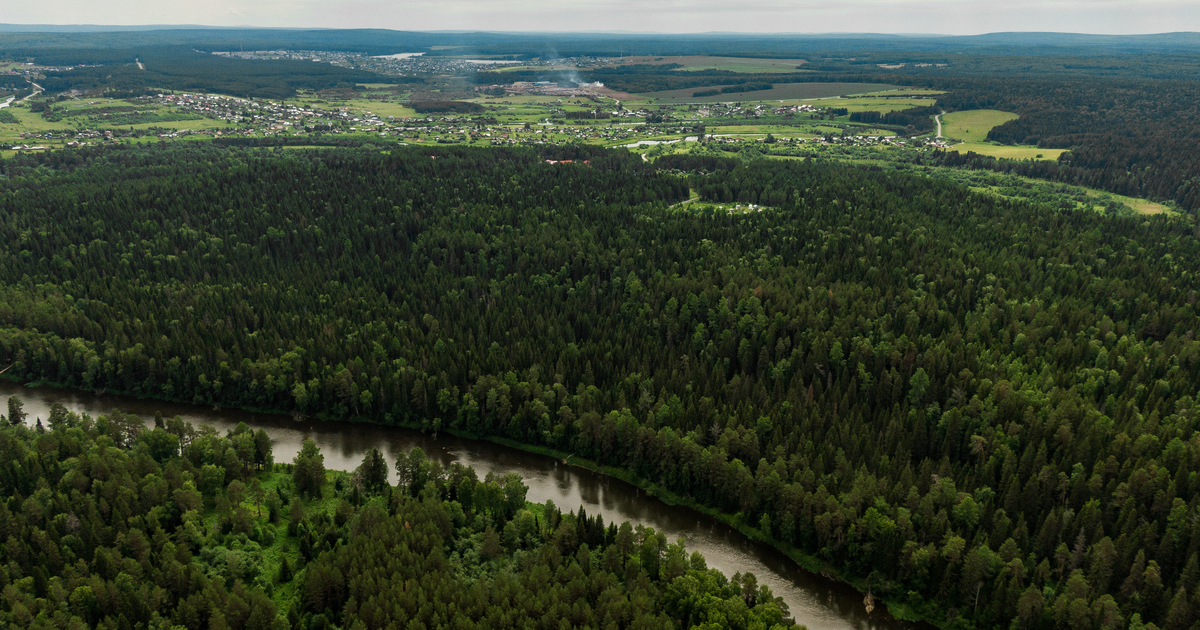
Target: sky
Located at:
point(951, 17)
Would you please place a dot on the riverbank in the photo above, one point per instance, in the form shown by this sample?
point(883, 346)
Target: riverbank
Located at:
point(818, 587)
point(900, 610)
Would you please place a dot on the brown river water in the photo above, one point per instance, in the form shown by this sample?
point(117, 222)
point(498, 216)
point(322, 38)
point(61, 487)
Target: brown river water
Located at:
point(814, 601)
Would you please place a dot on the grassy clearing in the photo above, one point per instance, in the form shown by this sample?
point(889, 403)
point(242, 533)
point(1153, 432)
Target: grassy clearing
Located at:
point(383, 109)
point(782, 91)
point(872, 103)
point(27, 122)
point(1009, 152)
point(974, 125)
point(1141, 206)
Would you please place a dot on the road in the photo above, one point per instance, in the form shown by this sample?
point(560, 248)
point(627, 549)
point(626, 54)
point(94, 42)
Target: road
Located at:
point(682, 203)
point(7, 103)
point(37, 89)
point(938, 120)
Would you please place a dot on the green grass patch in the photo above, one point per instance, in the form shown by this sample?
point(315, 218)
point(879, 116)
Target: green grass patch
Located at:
point(384, 109)
point(1009, 152)
point(1140, 206)
point(973, 125)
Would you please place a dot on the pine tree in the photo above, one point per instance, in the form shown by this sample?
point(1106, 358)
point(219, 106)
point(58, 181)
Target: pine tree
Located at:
point(16, 410)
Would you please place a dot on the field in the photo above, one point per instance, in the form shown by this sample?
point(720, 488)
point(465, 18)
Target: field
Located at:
point(1009, 152)
point(974, 125)
point(782, 91)
point(733, 64)
point(383, 109)
point(882, 102)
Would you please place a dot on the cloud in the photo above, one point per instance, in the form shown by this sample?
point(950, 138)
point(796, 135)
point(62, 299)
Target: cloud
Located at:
point(762, 16)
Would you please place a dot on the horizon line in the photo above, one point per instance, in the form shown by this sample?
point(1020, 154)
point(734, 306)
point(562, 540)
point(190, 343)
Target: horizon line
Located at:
point(11, 28)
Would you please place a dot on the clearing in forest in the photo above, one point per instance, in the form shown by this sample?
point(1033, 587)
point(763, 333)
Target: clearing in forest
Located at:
point(973, 125)
point(971, 128)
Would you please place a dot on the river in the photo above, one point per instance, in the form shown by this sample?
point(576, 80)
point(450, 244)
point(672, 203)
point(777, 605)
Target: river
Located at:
point(814, 601)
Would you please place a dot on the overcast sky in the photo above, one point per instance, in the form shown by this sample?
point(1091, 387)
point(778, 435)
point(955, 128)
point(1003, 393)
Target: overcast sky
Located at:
point(956, 17)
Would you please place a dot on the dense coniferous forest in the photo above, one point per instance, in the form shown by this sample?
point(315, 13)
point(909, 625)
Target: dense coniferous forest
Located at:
point(112, 524)
point(981, 408)
point(457, 107)
point(185, 69)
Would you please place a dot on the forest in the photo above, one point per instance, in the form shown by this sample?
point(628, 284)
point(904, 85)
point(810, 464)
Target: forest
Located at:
point(1166, 53)
point(185, 69)
point(981, 409)
point(113, 524)
point(456, 107)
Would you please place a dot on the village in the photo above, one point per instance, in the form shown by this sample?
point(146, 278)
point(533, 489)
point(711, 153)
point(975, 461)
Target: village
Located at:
point(521, 113)
point(512, 113)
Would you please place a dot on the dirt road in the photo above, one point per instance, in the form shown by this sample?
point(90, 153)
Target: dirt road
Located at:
point(938, 120)
point(682, 203)
point(37, 89)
